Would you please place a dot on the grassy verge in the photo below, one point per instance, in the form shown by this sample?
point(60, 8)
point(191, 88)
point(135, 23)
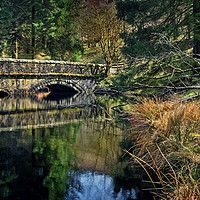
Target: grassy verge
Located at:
point(168, 143)
point(92, 55)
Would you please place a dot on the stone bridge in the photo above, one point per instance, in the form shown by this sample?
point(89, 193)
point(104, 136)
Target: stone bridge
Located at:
point(21, 76)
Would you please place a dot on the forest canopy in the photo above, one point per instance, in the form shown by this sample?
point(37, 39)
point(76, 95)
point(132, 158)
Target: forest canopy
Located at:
point(39, 27)
point(63, 29)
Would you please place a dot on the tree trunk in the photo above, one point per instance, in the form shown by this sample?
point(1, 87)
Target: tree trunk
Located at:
point(107, 72)
point(44, 41)
point(196, 14)
point(16, 49)
point(33, 31)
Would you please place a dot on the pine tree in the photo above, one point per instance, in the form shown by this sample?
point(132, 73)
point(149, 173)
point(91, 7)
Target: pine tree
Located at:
point(14, 17)
point(39, 26)
point(169, 17)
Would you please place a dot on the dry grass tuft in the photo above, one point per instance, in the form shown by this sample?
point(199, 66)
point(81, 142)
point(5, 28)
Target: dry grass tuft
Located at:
point(173, 125)
point(168, 144)
point(170, 117)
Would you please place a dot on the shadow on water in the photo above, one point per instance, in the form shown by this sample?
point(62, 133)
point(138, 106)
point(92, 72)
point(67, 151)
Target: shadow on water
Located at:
point(132, 175)
point(63, 154)
point(56, 92)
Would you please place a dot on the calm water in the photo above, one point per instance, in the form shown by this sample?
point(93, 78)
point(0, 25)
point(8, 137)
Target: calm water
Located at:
point(47, 153)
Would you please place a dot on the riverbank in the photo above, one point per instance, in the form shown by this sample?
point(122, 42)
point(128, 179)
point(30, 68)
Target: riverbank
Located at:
point(167, 142)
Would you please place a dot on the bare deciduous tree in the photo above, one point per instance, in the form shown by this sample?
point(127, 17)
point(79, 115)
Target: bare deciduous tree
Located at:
point(99, 23)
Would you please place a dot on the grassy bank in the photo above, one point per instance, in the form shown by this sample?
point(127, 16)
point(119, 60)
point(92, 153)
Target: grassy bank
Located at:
point(166, 141)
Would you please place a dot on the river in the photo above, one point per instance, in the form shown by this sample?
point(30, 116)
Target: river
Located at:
point(49, 153)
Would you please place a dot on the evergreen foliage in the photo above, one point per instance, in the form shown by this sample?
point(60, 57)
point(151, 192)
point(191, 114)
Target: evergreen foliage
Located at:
point(171, 18)
point(162, 45)
point(35, 28)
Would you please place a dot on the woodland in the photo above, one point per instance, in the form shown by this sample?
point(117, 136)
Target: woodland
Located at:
point(155, 46)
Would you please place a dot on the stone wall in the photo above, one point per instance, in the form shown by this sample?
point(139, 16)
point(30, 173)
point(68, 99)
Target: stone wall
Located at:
point(9, 65)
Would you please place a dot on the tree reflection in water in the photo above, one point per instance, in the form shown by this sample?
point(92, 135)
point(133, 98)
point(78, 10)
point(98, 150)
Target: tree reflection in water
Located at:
point(75, 159)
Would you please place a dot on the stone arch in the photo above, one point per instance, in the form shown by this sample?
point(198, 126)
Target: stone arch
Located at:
point(68, 83)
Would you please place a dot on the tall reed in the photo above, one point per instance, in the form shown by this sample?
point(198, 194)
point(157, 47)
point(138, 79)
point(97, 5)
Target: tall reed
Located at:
point(169, 145)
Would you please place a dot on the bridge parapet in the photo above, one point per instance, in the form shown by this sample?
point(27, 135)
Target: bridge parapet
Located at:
point(9, 65)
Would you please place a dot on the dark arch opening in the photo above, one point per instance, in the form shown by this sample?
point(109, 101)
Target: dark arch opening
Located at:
point(3, 94)
point(56, 92)
point(57, 88)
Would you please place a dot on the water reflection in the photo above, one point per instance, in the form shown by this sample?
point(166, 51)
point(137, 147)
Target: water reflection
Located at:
point(60, 154)
point(25, 104)
point(92, 185)
point(23, 113)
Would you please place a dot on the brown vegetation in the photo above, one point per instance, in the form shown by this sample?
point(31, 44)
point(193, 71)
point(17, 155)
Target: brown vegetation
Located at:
point(169, 145)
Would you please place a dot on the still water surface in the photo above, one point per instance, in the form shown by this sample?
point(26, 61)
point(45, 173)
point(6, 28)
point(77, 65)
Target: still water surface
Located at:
point(48, 153)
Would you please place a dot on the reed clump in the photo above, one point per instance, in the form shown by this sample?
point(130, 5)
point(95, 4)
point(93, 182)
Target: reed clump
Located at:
point(169, 145)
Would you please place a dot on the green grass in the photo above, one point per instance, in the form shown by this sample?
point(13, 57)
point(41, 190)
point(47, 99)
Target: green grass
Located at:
point(92, 55)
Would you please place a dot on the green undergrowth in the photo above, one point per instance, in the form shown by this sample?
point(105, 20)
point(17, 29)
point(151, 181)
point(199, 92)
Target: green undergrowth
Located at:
point(92, 55)
point(157, 76)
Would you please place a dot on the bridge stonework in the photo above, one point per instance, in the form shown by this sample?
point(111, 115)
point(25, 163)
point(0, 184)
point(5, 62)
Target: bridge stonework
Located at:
point(30, 86)
point(28, 76)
